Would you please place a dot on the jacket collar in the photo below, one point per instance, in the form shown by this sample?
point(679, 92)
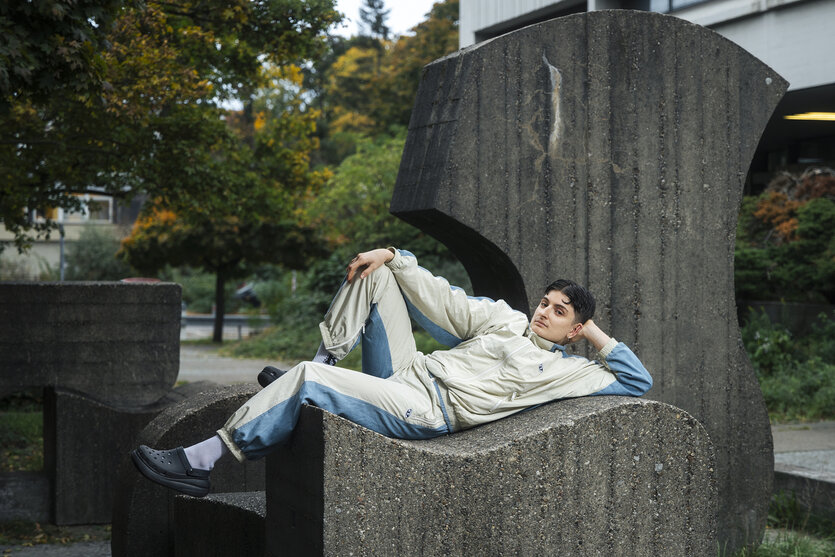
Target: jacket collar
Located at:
point(545, 344)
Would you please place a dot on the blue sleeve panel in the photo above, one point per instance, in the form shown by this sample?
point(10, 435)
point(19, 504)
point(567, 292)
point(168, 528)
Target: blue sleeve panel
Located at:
point(633, 379)
point(435, 331)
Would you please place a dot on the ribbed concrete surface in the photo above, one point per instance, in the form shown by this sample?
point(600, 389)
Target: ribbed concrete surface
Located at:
point(116, 342)
point(610, 148)
point(589, 476)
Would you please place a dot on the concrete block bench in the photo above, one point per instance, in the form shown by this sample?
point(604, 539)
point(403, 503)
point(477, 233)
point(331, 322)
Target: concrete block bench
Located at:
point(601, 475)
point(143, 512)
point(118, 343)
point(106, 355)
point(590, 476)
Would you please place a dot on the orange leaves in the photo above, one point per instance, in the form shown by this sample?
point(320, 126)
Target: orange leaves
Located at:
point(260, 121)
point(780, 212)
point(787, 194)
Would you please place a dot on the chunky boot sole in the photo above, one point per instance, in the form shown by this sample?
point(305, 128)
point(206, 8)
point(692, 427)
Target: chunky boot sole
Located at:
point(269, 374)
point(171, 469)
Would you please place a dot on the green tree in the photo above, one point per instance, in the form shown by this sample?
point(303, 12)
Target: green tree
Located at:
point(157, 126)
point(53, 47)
point(335, 142)
point(366, 85)
point(373, 16)
point(352, 211)
point(229, 240)
point(355, 80)
point(433, 38)
point(225, 245)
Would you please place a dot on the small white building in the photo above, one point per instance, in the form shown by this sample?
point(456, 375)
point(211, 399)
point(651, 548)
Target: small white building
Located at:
point(44, 258)
point(795, 37)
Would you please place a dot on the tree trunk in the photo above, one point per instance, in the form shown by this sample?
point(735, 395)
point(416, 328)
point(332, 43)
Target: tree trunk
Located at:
point(220, 305)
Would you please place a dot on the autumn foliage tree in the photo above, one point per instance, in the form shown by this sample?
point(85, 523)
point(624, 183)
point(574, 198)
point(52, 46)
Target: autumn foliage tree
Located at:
point(155, 123)
point(273, 163)
point(224, 244)
point(786, 240)
point(366, 85)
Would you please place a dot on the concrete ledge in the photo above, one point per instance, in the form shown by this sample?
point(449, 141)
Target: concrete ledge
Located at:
point(142, 510)
point(117, 342)
point(24, 496)
point(84, 442)
point(220, 524)
point(814, 489)
point(601, 475)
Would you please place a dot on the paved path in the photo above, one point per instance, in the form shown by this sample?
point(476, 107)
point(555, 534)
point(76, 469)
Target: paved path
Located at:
point(809, 446)
point(199, 362)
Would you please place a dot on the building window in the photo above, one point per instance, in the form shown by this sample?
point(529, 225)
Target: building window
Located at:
point(97, 208)
point(666, 6)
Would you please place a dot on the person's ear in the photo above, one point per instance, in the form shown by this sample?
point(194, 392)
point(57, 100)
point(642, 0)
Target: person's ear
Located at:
point(575, 330)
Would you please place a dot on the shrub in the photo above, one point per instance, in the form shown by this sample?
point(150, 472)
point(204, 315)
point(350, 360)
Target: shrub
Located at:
point(785, 243)
point(199, 289)
point(93, 257)
point(797, 376)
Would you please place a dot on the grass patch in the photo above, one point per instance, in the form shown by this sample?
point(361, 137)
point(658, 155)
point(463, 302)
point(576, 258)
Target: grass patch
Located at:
point(21, 439)
point(280, 342)
point(292, 345)
point(21, 432)
point(787, 543)
point(26, 533)
point(786, 513)
point(792, 531)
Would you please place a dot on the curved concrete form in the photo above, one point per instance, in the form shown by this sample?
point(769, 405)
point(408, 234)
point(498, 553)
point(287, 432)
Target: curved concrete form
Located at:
point(611, 148)
point(592, 476)
point(142, 520)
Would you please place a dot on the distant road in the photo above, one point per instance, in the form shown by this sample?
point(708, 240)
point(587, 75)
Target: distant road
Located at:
point(235, 327)
point(201, 363)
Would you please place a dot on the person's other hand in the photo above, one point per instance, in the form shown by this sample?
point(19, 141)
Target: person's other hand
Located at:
point(591, 332)
point(367, 262)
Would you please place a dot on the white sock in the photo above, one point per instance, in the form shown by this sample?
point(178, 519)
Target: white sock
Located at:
point(203, 455)
point(324, 357)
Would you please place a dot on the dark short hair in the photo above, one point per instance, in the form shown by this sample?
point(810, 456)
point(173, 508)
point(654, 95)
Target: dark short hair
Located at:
point(578, 296)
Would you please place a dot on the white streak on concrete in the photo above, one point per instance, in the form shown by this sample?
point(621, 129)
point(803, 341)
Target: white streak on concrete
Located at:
point(556, 117)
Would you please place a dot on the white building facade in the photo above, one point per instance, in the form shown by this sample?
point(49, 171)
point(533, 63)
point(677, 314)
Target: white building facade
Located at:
point(794, 37)
point(43, 259)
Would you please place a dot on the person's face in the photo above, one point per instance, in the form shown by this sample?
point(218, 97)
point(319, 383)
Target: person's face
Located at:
point(554, 319)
